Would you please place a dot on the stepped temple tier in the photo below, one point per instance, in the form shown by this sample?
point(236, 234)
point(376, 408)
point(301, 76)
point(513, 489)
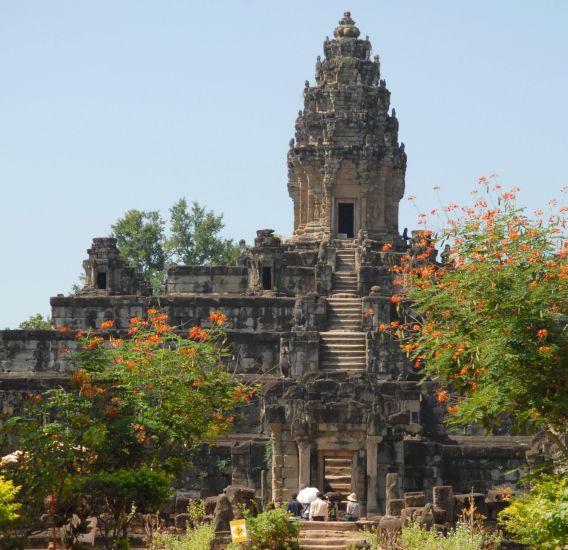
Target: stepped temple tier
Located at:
point(341, 409)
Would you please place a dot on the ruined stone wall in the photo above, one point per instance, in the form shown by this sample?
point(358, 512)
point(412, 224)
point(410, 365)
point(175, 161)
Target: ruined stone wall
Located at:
point(297, 280)
point(34, 351)
point(244, 312)
point(206, 280)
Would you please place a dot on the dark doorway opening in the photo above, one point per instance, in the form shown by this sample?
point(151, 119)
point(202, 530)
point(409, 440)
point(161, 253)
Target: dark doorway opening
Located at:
point(266, 278)
point(346, 219)
point(102, 280)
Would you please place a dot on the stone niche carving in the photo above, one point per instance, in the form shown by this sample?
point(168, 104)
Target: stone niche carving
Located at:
point(109, 274)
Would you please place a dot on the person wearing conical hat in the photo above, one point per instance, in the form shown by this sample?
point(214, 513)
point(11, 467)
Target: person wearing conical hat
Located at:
point(353, 508)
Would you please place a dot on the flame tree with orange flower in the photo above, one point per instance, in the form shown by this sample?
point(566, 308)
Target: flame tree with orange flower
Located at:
point(136, 407)
point(490, 323)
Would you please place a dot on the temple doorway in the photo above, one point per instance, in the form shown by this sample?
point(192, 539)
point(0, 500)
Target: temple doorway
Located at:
point(337, 473)
point(346, 219)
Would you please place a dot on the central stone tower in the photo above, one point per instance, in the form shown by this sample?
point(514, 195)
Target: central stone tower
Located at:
point(345, 167)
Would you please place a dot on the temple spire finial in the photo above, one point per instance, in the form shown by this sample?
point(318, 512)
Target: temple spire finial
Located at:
point(346, 28)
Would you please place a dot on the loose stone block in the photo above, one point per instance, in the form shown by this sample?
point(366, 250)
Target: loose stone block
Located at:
point(443, 499)
point(414, 499)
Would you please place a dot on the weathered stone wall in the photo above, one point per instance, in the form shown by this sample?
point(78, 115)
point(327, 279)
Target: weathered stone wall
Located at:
point(478, 463)
point(34, 351)
point(244, 312)
point(295, 280)
point(206, 280)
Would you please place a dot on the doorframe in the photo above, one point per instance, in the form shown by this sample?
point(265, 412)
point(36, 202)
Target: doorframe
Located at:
point(345, 200)
point(331, 453)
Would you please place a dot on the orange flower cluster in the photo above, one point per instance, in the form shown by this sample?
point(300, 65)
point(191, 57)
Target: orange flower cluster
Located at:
point(64, 329)
point(197, 333)
point(92, 343)
point(386, 247)
point(80, 377)
point(442, 396)
point(107, 324)
point(88, 390)
point(369, 312)
point(136, 324)
point(542, 334)
point(190, 352)
point(115, 343)
point(243, 393)
point(139, 432)
point(153, 339)
point(217, 317)
point(158, 320)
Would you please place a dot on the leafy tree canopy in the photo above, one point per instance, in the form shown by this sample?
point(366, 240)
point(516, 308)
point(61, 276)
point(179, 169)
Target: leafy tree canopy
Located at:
point(36, 322)
point(193, 238)
point(490, 324)
point(133, 406)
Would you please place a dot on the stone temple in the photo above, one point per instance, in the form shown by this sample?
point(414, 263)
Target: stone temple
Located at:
point(341, 408)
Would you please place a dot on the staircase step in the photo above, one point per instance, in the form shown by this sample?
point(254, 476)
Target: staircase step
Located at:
point(342, 338)
point(326, 526)
point(347, 348)
point(343, 367)
point(327, 535)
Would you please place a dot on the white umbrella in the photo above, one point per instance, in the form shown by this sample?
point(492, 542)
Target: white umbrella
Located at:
point(307, 495)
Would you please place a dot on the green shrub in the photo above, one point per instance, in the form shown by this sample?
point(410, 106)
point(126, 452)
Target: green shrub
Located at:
point(8, 507)
point(122, 493)
point(272, 530)
point(413, 536)
point(199, 538)
point(460, 538)
point(540, 517)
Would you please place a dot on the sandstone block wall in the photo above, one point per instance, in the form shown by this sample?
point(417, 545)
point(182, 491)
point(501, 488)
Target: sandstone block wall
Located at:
point(206, 280)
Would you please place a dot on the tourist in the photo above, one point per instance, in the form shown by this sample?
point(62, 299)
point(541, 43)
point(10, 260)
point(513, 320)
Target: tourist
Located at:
point(331, 509)
point(352, 513)
point(294, 507)
point(318, 509)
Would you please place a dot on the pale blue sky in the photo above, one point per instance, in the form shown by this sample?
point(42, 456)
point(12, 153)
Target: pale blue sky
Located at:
point(108, 105)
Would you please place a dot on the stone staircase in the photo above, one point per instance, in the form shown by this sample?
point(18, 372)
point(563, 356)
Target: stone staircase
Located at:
point(342, 351)
point(327, 535)
point(345, 276)
point(343, 346)
point(344, 313)
point(338, 472)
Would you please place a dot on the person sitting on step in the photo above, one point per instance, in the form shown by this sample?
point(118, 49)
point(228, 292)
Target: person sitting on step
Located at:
point(294, 507)
point(318, 509)
point(352, 513)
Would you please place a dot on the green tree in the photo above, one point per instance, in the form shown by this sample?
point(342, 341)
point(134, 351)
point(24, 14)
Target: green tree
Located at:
point(490, 325)
point(140, 239)
point(193, 238)
point(134, 405)
point(36, 322)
